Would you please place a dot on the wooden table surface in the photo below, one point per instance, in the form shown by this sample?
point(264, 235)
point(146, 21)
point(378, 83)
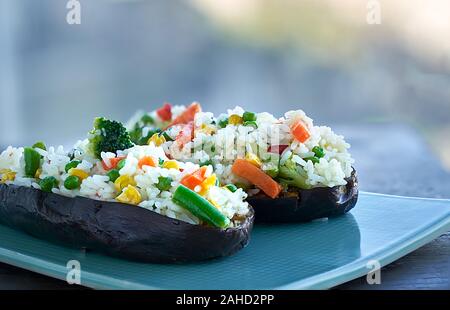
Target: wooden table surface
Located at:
point(390, 159)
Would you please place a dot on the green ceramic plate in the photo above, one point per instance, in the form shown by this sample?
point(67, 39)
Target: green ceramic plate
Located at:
point(316, 255)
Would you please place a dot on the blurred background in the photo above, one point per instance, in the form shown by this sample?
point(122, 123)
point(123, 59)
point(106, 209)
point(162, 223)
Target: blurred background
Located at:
point(265, 55)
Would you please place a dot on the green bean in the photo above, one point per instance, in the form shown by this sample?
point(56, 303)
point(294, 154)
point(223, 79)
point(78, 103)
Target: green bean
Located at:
point(199, 206)
point(32, 161)
point(39, 145)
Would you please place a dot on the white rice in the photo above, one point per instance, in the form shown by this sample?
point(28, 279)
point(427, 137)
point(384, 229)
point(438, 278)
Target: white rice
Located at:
point(231, 203)
point(11, 159)
point(54, 162)
point(235, 141)
point(98, 186)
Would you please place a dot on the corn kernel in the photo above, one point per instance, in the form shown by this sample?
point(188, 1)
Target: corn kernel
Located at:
point(123, 181)
point(7, 175)
point(235, 119)
point(157, 139)
point(207, 129)
point(207, 183)
point(253, 159)
point(79, 173)
point(130, 195)
point(171, 164)
point(38, 173)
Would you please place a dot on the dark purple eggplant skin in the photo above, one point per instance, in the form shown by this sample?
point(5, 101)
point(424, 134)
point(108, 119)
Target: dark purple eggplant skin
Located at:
point(117, 229)
point(304, 205)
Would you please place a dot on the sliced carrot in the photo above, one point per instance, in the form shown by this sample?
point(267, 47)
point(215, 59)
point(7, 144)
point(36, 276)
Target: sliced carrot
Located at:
point(146, 161)
point(187, 115)
point(191, 181)
point(194, 179)
point(257, 177)
point(300, 132)
point(112, 163)
point(165, 112)
point(201, 172)
point(185, 135)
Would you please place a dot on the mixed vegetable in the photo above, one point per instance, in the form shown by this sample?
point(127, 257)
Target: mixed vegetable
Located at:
point(271, 174)
point(200, 207)
point(108, 136)
point(252, 173)
point(112, 155)
point(271, 168)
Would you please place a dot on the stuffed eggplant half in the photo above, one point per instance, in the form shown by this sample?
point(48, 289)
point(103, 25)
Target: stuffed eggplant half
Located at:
point(291, 169)
point(125, 200)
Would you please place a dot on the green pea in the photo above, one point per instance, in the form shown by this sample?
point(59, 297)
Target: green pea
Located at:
point(251, 123)
point(223, 123)
point(205, 163)
point(315, 160)
point(72, 164)
point(231, 187)
point(164, 183)
point(249, 117)
point(318, 151)
point(39, 145)
point(121, 164)
point(160, 161)
point(72, 182)
point(48, 183)
point(113, 175)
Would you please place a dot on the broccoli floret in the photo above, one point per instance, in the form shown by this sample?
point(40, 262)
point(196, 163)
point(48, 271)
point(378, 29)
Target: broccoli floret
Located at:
point(108, 136)
point(271, 163)
point(292, 175)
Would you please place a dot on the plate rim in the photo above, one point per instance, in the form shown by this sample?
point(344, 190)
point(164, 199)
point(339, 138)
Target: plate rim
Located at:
point(358, 268)
point(325, 280)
